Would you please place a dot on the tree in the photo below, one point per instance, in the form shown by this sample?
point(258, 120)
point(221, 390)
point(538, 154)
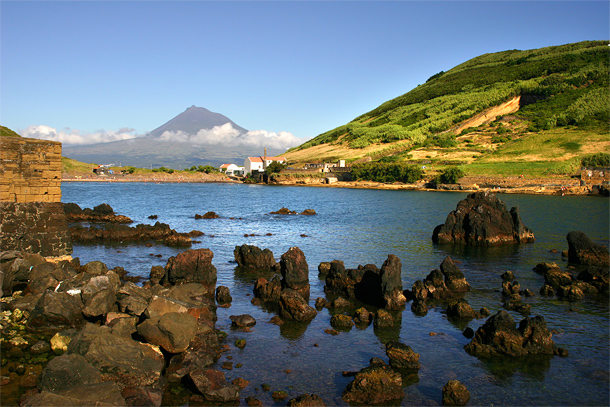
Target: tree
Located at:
point(274, 167)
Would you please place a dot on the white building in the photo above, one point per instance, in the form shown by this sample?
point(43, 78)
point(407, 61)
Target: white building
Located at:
point(260, 163)
point(231, 169)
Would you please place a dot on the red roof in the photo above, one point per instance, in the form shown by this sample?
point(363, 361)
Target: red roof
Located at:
point(260, 159)
point(225, 166)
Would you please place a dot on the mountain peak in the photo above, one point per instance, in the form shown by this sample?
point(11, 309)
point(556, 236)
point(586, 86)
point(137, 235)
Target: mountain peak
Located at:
point(194, 119)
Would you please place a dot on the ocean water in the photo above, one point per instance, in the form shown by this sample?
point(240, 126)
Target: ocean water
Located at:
point(360, 227)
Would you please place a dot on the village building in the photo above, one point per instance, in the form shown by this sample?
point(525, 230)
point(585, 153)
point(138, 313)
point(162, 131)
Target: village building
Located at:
point(259, 164)
point(231, 169)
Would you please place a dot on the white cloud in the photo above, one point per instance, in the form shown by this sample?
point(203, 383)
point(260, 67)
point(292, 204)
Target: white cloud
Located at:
point(227, 135)
point(73, 136)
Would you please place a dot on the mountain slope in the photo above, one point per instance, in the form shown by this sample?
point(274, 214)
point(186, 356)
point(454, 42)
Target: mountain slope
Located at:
point(563, 86)
point(174, 144)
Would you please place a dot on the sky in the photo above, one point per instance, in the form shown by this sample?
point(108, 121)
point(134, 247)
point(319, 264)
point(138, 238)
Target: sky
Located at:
point(94, 71)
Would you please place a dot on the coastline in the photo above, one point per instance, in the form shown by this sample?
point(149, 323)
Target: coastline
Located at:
point(505, 185)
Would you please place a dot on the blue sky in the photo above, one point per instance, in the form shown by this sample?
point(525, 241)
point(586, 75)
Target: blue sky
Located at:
point(106, 70)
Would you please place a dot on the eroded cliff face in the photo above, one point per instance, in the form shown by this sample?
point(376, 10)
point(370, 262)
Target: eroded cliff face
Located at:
point(489, 115)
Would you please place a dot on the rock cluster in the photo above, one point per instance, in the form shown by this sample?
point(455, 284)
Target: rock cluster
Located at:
point(207, 215)
point(499, 335)
point(445, 284)
point(94, 317)
point(291, 292)
point(582, 251)
point(112, 232)
point(286, 211)
point(482, 220)
point(378, 287)
point(376, 384)
point(252, 258)
point(100, 213)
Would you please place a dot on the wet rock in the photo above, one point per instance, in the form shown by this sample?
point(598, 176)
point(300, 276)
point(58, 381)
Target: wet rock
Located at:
point(223, 295)
point(132, 299)
point(101, 213)
point(202, 352)
point(157, 273)
point(508, 276)
point(125, 326)
point(391, 283)
point(553, 275)
point(207, 215)
point(68, 371)
point(320, 303)
point(461, 309)
point(178, 240)
point(40, 347)
point(582, 251)
point(283, 211)
point(242, 321)
point(455, 394)
point(454, 278)
point(402, 356)
point(268, 290)
point(252, 258)
point(173, 331)
point(341, 321)
point(500, 336)
point(440, 285)
point(340, 302)
point(59, 342)
point(293, 306)
point(482, 220)
point(98, 394)
point(375, 384)
point(142, 396)
point(468, 333)
point(363, 316)
point(383, 319)
point(192, 266)
point(213, 386)
point(324, 268)
point(306, 400)
point(295, 271)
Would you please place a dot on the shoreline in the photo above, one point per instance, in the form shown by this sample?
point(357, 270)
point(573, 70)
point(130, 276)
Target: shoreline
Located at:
point(504, 185)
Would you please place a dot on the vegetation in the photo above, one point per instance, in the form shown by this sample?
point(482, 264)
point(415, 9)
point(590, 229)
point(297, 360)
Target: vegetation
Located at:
point(70, 166)
point(6, 132)
point(208, 169)
point(387, 172)
point(274, 168)
point(596, 160)
point(451, 175)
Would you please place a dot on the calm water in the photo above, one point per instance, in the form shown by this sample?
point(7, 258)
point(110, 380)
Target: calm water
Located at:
point(360, 227)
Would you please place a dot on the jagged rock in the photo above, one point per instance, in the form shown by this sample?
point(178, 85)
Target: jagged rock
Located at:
point(223, 295)
point(142, 396)
point(341, 321)
point(157, 273)
point(500, 336)
point(207, 215)
point(482, 220)
point(508, 276)
point(294, 306)
point(553, 275)
point(178, 239)
point(192, 266)
point(68, 371)
point(202, 352)
point(444, 284)
point(375, 384)
point(391, 283)
point(295, 271)
point(383, 319)
point(125, 326)
point(268, 290)
point(455, 394)
point(363, 316)
point(284, 211)
point(320, 303)
point(582, 251)
point(402, 356)
point(172, 331)
point(252, 258)
point(340, 302)
point(308, 212)
point(97, 394)
point(454, 278)
point(120, 359)
point(306, 400)
point(461, 309)
point(101, 213)
point(213, 386)
point(133, 299)
point(324, 268)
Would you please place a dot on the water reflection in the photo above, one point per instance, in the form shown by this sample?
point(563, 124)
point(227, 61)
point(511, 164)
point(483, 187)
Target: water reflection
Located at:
point(503, 368)
point(293, 330)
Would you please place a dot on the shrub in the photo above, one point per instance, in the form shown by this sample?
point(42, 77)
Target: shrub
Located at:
point(596, 160)
point(387, 172)
point(274, 167)
point(451, 175)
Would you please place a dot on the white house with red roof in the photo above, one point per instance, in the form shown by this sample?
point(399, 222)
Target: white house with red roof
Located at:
point(260, 163)
point(231, 169)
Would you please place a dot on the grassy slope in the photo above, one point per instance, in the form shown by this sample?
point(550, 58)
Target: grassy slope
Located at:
point(569, 119)
point(6, 132)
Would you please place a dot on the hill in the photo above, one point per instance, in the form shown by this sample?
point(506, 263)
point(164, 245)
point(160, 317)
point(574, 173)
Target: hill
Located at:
point(6, 132)
point(193, 137)
point(535, 111)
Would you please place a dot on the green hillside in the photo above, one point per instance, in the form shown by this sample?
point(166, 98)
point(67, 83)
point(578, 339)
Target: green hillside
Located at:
point(562, 90)
point(6, 132)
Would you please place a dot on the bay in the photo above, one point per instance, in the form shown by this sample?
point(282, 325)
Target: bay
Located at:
point(361, 226)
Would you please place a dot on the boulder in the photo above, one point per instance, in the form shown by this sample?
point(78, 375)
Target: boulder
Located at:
point(500, 336)
point(178, 240)
point(193, 265)
point(268, 290)
point(223, 295)
point(213, 386)
point(363, 316)
point(56, 311)
point(132, 299)
point(461, 309)
point(295, 271)
point(242, 321)
point(202, 352)
point(293, 306)
point(252, 258)
point(402, 356)
point(120, 359)
point(482, 220)
point(375, 384)
point(383, 319)
point(455, 394)
point(68, 371)
point(157, 273)
point(454, 278)
point(341, 321)
point(553, 275)
point(172, 331)
point(207, 215)
point(324, 268)
point(440, 285)
point(582, 251)
point(97, 394)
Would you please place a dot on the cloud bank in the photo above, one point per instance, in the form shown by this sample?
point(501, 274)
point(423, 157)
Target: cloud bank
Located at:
point(227, 135)
point(75, 137)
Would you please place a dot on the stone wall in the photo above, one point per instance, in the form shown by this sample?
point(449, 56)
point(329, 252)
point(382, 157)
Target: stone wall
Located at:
point(32, 217)
point(30, 170)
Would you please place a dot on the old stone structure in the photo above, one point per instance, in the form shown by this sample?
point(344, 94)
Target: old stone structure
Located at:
point(32, 218)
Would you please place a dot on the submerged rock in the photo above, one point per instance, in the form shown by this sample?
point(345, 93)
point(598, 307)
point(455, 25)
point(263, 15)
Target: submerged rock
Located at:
point(455, 394)
point(375, 384)
point(482, 220)
point(582, 251)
